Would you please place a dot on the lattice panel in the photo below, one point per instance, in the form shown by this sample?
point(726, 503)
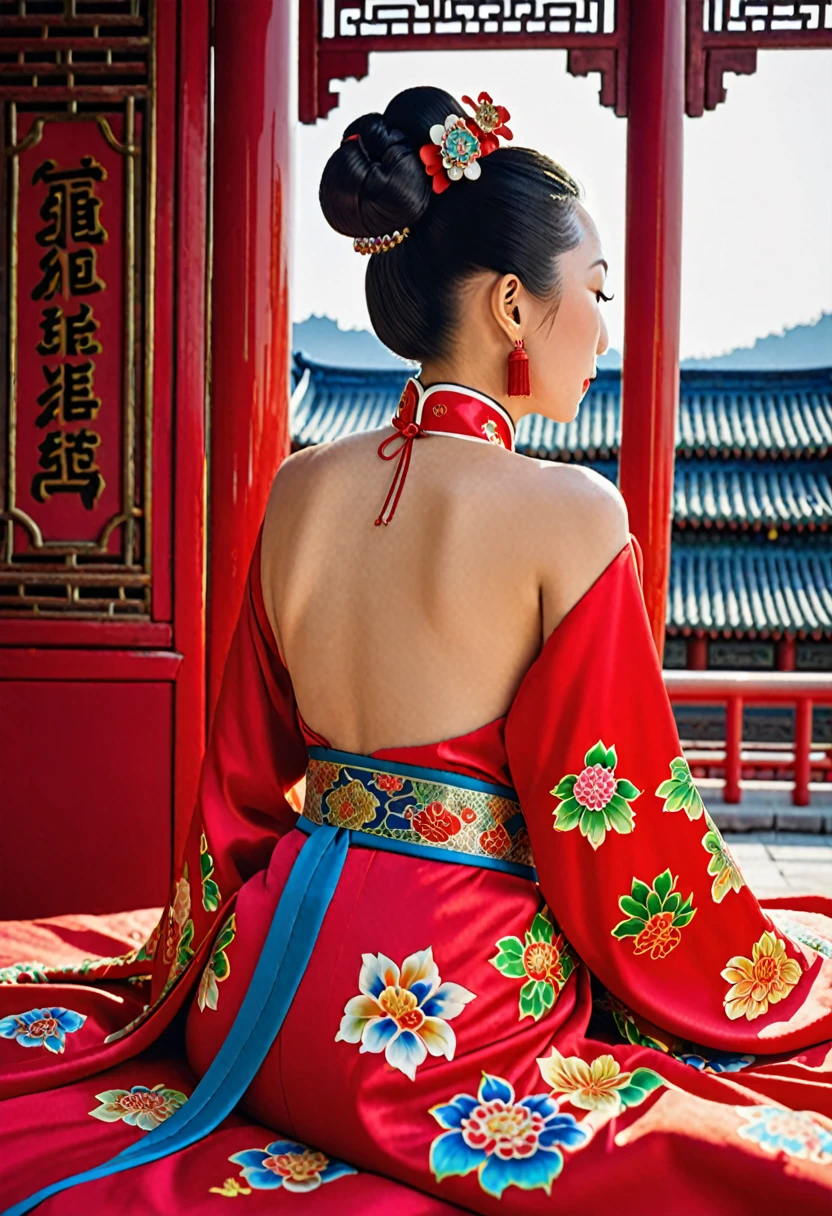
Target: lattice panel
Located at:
point(73, 51)
point(337, 36)
point(416, 18)
point(75, 486)
point(766, 16)
point(723, 36)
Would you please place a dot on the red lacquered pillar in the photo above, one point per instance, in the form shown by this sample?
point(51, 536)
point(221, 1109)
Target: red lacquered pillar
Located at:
point(250, 326)
point(650, 377)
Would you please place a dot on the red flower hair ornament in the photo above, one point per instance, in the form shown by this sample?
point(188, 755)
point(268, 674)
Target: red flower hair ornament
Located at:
point(458, 145)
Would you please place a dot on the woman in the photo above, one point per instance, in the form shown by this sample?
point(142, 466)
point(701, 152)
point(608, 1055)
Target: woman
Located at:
point(516, 969)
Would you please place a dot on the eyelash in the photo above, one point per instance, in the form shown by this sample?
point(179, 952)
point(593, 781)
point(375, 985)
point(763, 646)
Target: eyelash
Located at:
point(603, 297)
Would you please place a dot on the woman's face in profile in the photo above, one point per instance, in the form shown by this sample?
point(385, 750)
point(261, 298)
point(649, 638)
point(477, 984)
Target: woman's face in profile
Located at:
point(563, 351)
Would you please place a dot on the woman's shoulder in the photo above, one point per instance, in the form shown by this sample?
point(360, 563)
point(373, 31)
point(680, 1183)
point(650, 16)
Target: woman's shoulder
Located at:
point(581, 524)
point(573, 495)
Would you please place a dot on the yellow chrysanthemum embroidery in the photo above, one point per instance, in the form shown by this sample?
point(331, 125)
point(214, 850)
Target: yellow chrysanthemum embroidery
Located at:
point(762, 980)
point(600, 1085)
point(351, 806)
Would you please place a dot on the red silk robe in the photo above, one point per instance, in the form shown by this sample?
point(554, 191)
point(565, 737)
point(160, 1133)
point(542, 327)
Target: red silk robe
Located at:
point(635, 1014)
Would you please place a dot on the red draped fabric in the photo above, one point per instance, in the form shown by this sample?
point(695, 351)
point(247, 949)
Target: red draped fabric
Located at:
point(635, 1018)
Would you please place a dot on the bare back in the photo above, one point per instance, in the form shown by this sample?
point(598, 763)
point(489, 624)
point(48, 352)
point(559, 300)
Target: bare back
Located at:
point(422, 630)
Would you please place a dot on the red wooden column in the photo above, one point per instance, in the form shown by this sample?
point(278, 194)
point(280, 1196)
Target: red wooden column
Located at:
point(250, 327)
point(650, 377)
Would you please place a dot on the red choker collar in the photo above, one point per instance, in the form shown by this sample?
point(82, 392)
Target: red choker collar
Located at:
point(442, 409)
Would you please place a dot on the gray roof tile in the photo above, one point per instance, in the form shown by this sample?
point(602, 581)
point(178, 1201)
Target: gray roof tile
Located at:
point(786, 415)
point(735, 589)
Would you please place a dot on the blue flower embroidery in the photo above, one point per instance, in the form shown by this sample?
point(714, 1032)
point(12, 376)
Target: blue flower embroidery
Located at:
point(290, 1165)
point(715, 1063)
point(508, 1143)
point(794, 1132)
point(403, 1012)
point(42, 1027)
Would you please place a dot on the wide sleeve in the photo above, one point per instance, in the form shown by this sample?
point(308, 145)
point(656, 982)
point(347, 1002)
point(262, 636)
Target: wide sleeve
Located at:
point(628, 858)
point(255, 755)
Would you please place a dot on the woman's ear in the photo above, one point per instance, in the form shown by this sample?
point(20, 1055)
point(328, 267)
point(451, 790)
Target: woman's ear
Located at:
point(505, 305)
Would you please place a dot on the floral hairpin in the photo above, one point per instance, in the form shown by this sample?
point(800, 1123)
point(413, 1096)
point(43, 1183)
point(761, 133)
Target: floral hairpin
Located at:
point(458, 145)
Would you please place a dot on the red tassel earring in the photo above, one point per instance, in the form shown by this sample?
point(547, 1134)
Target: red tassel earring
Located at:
point(518, 371)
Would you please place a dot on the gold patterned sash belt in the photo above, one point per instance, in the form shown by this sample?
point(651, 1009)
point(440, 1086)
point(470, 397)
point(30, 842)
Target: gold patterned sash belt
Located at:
point(431, 812)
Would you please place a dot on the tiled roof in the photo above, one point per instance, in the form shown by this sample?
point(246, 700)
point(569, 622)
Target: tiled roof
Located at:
point(786, 415)
point(730, 582)
point(735, 589)
point(777, 494)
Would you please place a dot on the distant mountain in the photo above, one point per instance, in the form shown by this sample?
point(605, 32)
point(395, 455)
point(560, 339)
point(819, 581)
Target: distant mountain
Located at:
point(799, 347)
point(321, 339)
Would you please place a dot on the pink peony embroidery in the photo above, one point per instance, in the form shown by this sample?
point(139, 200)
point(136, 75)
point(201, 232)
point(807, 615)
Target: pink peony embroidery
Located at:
point(595, 787)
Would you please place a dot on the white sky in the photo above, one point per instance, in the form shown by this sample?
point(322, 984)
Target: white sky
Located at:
point(757, 250)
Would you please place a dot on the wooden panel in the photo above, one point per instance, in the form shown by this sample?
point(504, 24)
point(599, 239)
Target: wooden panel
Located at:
point(85, 808)
point(111, 665)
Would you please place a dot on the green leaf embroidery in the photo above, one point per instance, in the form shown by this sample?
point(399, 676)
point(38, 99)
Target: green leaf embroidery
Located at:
point(597, 755)
point(565, 786)
point(722, 866)
point(625, 788)
point(656, 920)
point(642, 1083)
point(543, 962)
point(567, 815)
point(662, 884)
point(531, 999)
point(218, 967)
point(680, 792)
point(640, 891)
point(210, 891)
point(628, 928)
point(634, 907)
point(509, 960)
point(542, 929)
point(511, 946)
point(620, 814)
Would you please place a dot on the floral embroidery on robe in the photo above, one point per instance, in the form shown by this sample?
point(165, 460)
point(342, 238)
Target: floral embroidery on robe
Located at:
point(42, 1027)
point(404, 1013)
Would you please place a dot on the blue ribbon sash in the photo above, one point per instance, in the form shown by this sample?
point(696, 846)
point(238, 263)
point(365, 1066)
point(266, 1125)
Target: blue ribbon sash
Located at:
point(350, 800)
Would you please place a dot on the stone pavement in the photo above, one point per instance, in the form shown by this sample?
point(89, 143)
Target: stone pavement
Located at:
point(779, 847)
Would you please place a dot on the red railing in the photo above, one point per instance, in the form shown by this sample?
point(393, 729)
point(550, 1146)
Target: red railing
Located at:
point(735, 690)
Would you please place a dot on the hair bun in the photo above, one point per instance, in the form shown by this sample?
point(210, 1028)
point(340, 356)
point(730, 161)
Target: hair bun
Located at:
point(377, 183)
point(373, 184)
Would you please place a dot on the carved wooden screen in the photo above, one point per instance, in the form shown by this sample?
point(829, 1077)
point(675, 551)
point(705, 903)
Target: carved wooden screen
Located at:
point(78, 237)
point(337, 36)
point(101, 575)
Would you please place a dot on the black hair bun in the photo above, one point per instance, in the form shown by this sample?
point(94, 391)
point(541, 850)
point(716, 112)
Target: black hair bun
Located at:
point(516, 218)
point(377, 183)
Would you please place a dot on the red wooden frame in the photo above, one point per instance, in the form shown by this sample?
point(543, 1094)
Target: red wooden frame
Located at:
point(737, 689)
point(161, 658)
point(250, 346)
point(188, 384)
